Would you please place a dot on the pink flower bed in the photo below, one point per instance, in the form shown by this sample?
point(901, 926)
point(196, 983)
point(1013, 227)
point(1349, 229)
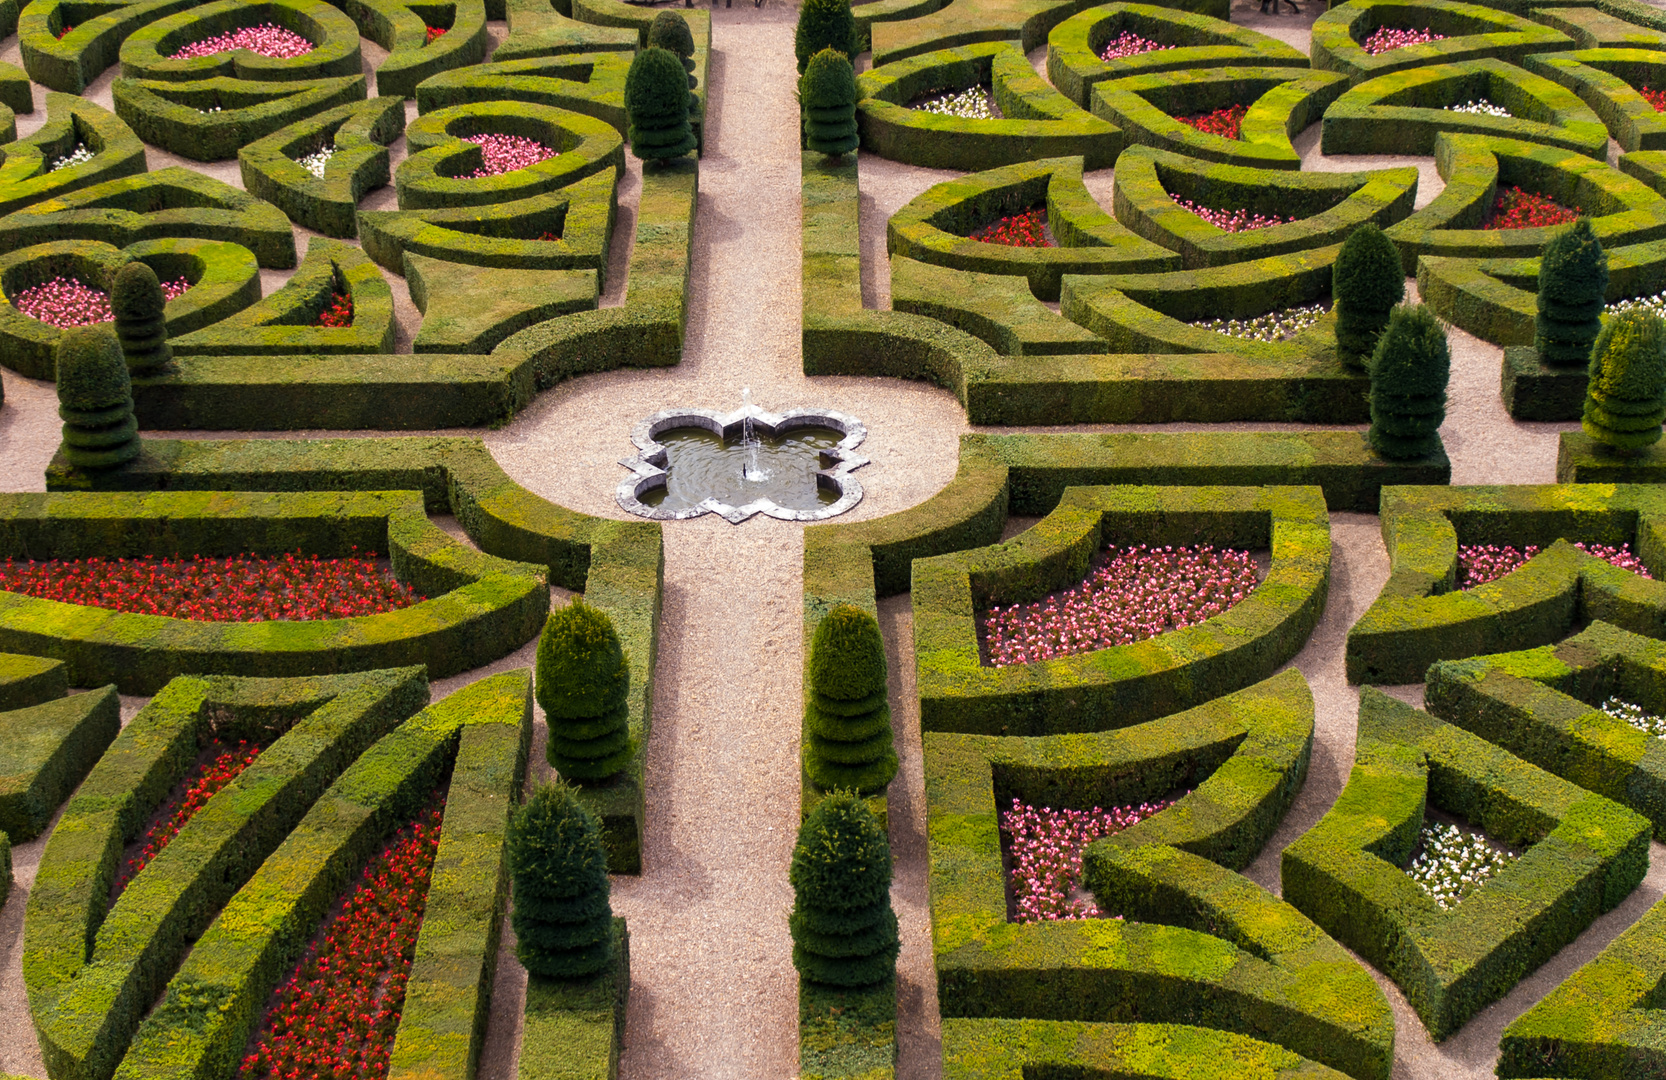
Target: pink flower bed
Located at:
point(1481, 563)
point(507, 153)
point(264, 40)
point(1046, 849)
point(1129, 44)
point(1387, 39)
point(1233, 220)
point(66, 301)
point(1131, 594)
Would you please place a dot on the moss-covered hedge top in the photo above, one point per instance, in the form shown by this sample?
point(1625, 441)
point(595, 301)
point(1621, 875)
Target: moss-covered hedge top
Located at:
point(1469, 31)
point(148, 53)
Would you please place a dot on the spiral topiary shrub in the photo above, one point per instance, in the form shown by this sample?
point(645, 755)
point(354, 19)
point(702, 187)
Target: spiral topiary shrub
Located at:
point(827, 93)
point(669, 31)
point(1409, 370)
point(95, 399)
point(1367, 281)
point(656, 106)
point(848, 720)
point(824, 24)
point(1625, 399)
point(844, 931)
point(1573, 278)
point(136, 297)
point(562, 918)
point(583, 682)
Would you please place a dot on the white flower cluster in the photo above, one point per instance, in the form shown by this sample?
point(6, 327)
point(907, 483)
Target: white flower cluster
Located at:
point(1273, 326)
point(209, 112)
point(80, 154)
point(1621, 709)
point(1480, 106)
point(1451, 864)
point(314, 163)
point(972, 103)
point(1655, 303)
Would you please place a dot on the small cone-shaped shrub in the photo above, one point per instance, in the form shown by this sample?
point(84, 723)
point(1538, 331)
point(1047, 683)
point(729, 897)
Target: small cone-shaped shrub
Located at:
point(848, 719)
point(844, 931)
point(656, 106)
point(824, 24)
point(95, 399)
point(563, 921)
point(1409, 370)
point(583, 681)
point(1573, 280)
point(827, 91)
point(1367, 281)
point(137, 301)
point(1625, 400)
point(669, 31)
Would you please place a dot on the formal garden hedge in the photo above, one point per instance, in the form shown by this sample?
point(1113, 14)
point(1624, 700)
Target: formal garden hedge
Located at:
point(1607, 80)
point(26, 166)
point(30, 680)
point(436, 174)
point(358, 133)
point(1582, 855)
point(46, 750)
point(402, 29)
point(87, 46)
point(1004, 1049)
point(904, 28)
point(1470, 32)
point(588, 83)
point(148, 53)
point(211, 119)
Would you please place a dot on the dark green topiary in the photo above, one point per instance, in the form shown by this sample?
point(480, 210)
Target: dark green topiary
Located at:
point(1409, 370)
point(563, 921)
point(669, 31)
point(1367, 280)
point(844, 931)
point(583, 681)
point(137, 301)
point(849, 742)
point(656, 105)
point(824, 24)
point(1625, 399)
point(1573, 280)
point(827, 92)
point(95, 399)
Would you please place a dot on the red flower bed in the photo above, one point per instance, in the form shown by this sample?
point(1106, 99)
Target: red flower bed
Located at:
point(64, 31)
point(240, 588)
point(434, 33)
point(1045, 846)
point(1657, 98)
point(1228, 123)
point(200, 785)
point(1481, 563)
point(337, 1014)
point(1028, 229)
point(65, 301)
point(340, 311)
point(1518, 209)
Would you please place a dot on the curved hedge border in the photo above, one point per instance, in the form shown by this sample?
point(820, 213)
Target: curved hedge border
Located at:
point(1625, 24)
point(1471, 32)
point(30, 680)
point(1245, 952)
point(1583, 855)
point(471, 309)
point(148, 53)
point(1125, 684)
point(1281, 102)
point(175, 116)
point(46, 750)
point(969, 22)
point(999, 309)
point(360, 133)
point(1007, 1049)
point(1607, 80)
point(1041, 122)
point(1191, 41)
point(1403, 112)
point(435, 175)
point(24, 174)
point(1327, 206)
point(536, 29)
point(402, 29)
point(287, 321)
point(1420, 617)
point(15, 92)
point(92, 968)
point(69, 63)
point(589, 83)
point(482, 607)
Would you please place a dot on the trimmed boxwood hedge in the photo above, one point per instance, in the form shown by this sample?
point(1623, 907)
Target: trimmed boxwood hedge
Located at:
point(1580, 459)
point(30, 680)
point(1420, 617)
point(25, 173)
point(537, 29)
point(967, 22)
point(847, 1032)
point(148, 53)
point(402, 29)
point(15, 92)
point(471, 309)
point(572, 1028)
point(482, 607)
point(1189, 41)
point(1470, 31)
point(1584, 854)
point(211, 119)
point(999, 309)
point(46, 750)
point(1402, 112)
point(92, 968)
point(589, 83)
point(987, 1049)
point(1607, 80)
point(359, 133)
point(93, 43)
point(1040, 121)
point(1124, 684)
point(436, 174)
point(1611, 25)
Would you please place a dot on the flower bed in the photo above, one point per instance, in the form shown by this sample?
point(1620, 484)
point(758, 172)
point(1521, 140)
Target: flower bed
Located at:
point(1655, 303)
point(316, 162)
point(972, 103)
point(263, 40)
point(1518, 209)
point(1480, 107)
point(1045, 847)
point(1028, 229)
point(508, 153)
point(1129, 44)
point(65, 301)
point(337, 1014)
point(1129, 595)
point(1232, 220)
point(1387, 39)
point(433, 34)
point(1450, 863)
point(239, 588)
point(80, 155)
point(1228, 123)
point(1646, 722)
point(339, 313)
point(1657, 98)
point(219, 766)
point(1481, 563)
point(1273, 326)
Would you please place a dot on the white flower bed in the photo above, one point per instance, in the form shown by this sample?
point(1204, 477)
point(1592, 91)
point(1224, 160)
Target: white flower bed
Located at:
point(1481, 107)
point(1273, 326)
point(1655, 303)
point(315, 163)
point(1451, 863)
point(972, 103)
point(78, 156)
point(1620, 709)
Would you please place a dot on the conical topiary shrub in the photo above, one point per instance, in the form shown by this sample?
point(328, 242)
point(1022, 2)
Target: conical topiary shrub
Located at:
point(656, 106)
point(848, 719)
point(669, 31)
point(827, 92)
point(1625, 400)
point(1573, 282)
point(563, 921)
point(136, 297)
point(1367, 281)
point(583, 681)
point(95, 399)
point(1409, 371)
point(844, 931)
point(824, 24)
